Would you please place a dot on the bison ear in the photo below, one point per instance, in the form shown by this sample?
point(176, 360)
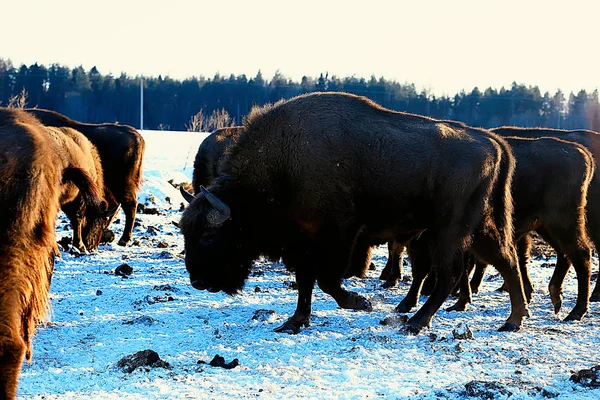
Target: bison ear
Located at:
point(221, 211)
point(186, 195)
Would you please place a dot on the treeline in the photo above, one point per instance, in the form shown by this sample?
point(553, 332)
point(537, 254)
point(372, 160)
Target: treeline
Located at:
point(90, 96)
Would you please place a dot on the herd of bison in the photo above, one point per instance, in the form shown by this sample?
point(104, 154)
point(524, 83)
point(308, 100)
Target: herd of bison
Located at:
point(315, 181)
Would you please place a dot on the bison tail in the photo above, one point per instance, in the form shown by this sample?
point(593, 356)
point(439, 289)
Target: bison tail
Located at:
point(90, 193)
point(502, 197)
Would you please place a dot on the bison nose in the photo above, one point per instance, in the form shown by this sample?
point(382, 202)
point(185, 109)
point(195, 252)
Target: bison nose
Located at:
point(198, 284)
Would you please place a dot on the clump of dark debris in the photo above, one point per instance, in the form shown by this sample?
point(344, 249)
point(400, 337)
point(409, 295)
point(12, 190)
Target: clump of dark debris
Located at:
point(219, 361)
point(141, 320)
point(263, 315)
point(124, 270)
point(486, 390)
point(144, 358)
point(587, 377)
point(163, 255)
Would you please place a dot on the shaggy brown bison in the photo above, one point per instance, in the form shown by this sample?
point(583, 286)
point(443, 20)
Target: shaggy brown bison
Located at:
point(77, 152)
point(121, 150)
point(550, 189)
point(312, 174)
point(32, 180)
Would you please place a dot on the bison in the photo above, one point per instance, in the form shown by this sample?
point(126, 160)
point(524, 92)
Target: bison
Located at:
point(210, 155)
point(32, 182)
point(77, 152)
point(311, 175)
point(550, 189)
point(121, 149)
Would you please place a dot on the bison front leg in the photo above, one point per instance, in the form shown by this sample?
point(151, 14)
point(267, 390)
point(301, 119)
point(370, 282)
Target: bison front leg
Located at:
point(305, 279)
point(448, 271)
point(129, 208)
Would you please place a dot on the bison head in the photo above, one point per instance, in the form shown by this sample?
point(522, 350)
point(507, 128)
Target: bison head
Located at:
point(95, 220)
point(217, 254)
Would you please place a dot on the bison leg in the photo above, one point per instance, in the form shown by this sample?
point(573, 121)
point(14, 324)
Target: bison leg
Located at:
point(392, 273)
point(420, 258)
point(360, 260)
point(571, 242)
point(12, 346)
point(448, 270)
point(73, 211)
point(555, 287)
point(129, 208)
point(465, 288)
point(523, 250)
point(344, 298)
point(305, 279)
point(489, 250)
point(478, 275)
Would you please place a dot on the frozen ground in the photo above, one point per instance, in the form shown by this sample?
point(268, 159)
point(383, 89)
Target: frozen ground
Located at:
point(99, 317)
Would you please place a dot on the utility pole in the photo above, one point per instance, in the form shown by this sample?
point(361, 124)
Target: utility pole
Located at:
point(141, 103)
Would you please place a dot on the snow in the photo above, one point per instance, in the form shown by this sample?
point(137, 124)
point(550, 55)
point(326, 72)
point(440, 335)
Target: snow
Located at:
point(99, 317)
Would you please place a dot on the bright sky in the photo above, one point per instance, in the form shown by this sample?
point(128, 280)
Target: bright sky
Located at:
point(443, 45)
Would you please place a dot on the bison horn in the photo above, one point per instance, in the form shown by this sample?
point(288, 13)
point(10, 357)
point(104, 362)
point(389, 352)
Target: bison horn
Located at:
point(220, 206)
point(186, 195)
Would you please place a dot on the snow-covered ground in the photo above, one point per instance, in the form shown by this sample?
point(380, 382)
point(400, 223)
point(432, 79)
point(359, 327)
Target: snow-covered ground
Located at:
point(99, 317)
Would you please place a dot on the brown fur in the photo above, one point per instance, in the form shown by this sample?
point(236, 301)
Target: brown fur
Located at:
point(210, 153)
point(31, 185)
point(353, 172)
point(121, 149)
point(550, 190)
point(83, 188)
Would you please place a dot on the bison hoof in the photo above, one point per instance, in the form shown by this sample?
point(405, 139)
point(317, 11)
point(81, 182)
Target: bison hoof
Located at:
point(411, 329)
point(403, 308)
point(557, 306)
point(78, 251)
point(123, 242)
point(458, 306)
point(595, 297)
point(574, 316)
point(372, 267)
point(384, 275)
point(389, 283)
point(509, 327)
point(357, 302)
point(290, 327)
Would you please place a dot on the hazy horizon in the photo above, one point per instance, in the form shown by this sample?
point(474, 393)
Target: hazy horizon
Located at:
point(441, 46)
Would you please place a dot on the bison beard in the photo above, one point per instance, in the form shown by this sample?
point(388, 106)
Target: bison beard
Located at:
point(311, 177)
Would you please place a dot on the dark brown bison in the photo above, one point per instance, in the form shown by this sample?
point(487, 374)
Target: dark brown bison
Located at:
point(312, 174)
point(210, 154)
point(78, 152)
point(32, 181)
point(550, 189)
point(121, 150)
